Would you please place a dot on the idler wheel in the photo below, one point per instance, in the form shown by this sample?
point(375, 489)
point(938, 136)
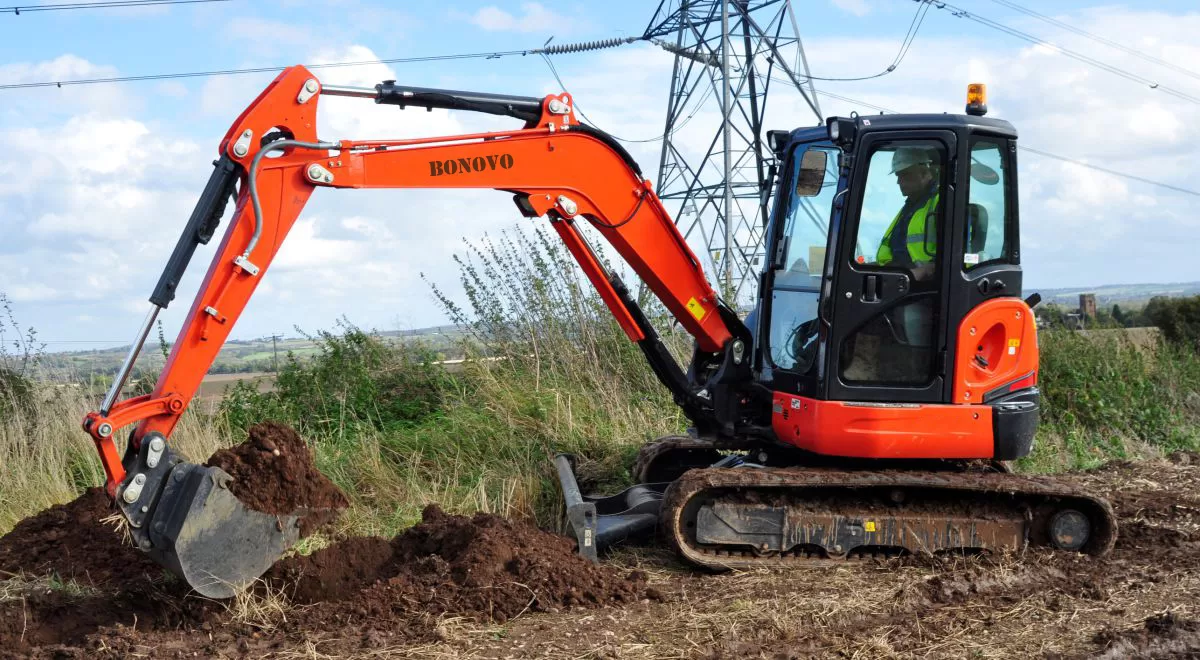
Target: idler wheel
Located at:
point(1069, 530)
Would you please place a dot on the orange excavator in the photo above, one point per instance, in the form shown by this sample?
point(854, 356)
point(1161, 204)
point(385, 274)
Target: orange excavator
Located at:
point(866, 406)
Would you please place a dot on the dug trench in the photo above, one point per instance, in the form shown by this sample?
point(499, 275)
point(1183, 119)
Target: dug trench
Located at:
point(484, 587)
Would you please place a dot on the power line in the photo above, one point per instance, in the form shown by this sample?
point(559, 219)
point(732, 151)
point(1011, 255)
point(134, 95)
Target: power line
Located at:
point(1117, 71)
point(110, 4)
point(913, 27)
point(1097, 38)
point(263, 69)
point(558, 49)
point(1039, 152)
point(1108, 171)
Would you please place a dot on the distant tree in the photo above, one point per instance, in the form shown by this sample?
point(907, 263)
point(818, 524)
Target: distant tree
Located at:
point(1178, 318)
point(1118, 315)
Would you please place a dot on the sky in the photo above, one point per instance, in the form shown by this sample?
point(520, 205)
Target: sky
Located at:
point(100, 179)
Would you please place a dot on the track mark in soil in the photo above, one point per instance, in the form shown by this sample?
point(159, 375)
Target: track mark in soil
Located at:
point(1165, 635)
point(273, 472)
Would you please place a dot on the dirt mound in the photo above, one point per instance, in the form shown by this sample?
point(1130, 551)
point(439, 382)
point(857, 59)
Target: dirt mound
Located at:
point(336, 572)
point(484, 567)
point(273, 472)
point(68, 540)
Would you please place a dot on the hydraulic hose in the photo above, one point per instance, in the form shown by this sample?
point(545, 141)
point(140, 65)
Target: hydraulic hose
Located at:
point(253, 184)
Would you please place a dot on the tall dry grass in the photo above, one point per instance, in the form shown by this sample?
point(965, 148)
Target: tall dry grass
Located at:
point(46, 458)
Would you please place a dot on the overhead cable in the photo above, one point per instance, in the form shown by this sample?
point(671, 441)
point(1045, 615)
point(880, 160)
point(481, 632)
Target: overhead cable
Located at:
point(1097, 38)
point(264, 69)
point(1039, 152)
point(558, 49)
point(16, 10)
point(913, 27)
point(1117, 71)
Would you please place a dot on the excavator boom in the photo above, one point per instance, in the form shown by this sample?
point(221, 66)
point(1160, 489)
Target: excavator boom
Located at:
point(553, 166)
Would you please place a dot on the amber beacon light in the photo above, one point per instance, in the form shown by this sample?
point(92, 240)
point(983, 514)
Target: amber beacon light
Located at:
point(977, 99)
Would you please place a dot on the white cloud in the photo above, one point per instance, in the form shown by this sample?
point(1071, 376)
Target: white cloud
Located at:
point(856, 7)
point(535, 18)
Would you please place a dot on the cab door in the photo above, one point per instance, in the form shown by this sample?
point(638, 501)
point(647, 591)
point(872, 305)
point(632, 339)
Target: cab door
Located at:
point(888, 336)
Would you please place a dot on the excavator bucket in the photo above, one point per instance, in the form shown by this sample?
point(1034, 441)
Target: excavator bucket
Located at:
point(187, 519)
point(204, 534)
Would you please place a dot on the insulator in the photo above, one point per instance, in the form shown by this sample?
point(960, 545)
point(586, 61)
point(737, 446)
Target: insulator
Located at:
point(561, 49)
point(694, 55)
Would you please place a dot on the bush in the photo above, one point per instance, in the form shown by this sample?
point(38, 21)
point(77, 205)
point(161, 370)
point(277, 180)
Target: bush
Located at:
point(1106, 396)
point(20, 352)
point(356, 379)
point(1178, 318)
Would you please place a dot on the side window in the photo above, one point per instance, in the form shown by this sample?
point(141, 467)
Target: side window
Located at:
point(900, 210)
point(806, 231)
point(797, 289)
point(987, 210)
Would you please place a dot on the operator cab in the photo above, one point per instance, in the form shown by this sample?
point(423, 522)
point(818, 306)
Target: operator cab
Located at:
point(887, 230)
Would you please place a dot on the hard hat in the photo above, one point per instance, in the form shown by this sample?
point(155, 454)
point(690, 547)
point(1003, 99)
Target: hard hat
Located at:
point(905, 157)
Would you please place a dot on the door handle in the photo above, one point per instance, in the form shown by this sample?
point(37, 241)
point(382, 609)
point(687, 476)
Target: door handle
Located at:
point(870, 288)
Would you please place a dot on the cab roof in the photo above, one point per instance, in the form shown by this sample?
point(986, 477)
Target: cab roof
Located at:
point(972, 124)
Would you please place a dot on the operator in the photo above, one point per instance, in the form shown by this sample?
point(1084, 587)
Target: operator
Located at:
point(911, 240)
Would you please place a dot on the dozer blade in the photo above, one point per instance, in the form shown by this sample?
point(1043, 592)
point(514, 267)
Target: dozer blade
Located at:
point(204, 534)
point(185, 517)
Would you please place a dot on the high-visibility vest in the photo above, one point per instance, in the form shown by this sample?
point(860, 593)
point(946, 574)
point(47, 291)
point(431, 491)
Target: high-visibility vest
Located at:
point(918, 250)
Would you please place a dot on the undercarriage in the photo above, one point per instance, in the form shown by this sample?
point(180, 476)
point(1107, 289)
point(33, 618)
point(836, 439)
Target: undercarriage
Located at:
point(724, 507)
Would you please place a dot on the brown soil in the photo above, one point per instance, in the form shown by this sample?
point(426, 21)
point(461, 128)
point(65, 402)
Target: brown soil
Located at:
point(69, 541)
point(273, 472)
point(485, 587)
point(485, 566)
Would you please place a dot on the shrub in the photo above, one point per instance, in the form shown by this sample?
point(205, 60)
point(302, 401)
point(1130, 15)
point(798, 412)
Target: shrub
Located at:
point(20, 352)
point(1178, 318)
point(355, 379)
point(1105, 395)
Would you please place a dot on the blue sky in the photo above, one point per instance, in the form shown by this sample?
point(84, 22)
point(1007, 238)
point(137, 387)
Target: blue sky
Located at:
point(101, 178)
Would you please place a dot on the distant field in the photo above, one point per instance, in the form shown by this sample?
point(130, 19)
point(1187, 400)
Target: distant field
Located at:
point(214, 385)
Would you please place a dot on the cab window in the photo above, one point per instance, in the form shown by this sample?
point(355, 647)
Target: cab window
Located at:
point(901, 207)
point(988, 216)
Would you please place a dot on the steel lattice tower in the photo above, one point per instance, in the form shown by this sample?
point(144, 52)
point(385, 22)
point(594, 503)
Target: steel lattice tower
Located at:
point(728, 54)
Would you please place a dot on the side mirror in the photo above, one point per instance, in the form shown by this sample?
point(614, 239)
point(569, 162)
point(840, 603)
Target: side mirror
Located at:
point(812, 173)
point(984, 173)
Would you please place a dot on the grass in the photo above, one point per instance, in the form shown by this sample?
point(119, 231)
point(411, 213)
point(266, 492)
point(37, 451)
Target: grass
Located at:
point(1108, 395)
point(48, 459)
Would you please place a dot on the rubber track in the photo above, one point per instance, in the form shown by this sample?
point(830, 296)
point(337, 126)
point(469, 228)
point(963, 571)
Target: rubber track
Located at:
point(796, 480)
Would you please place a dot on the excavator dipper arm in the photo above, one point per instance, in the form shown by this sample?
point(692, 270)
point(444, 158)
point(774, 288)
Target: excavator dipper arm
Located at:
point(554, 166)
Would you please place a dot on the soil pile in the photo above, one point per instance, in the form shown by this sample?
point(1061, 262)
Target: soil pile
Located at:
point(484, 567)
point(70, 541)
point(273, 472)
